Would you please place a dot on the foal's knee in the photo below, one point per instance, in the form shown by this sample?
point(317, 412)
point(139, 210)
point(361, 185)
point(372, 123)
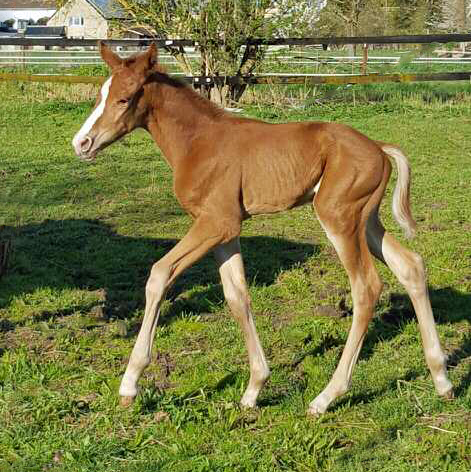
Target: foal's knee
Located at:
point(157, 283)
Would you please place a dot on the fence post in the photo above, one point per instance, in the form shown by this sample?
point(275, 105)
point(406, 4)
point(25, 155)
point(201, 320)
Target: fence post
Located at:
point(364, 63)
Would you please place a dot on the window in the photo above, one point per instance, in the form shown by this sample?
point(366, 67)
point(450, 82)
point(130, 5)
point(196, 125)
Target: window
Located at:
point(76, 21)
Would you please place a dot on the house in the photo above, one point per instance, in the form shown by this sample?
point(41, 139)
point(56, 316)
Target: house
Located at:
point(20, 13)
point(89, 19)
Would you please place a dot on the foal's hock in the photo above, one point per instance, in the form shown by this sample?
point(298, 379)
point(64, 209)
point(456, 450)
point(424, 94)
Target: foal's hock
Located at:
point(228, 168)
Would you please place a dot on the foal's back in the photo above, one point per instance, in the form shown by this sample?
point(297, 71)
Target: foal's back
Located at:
point(278, 166)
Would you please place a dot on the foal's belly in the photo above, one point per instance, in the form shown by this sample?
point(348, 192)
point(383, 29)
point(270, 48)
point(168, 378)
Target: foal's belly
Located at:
point(256, 207)
point(276, 188)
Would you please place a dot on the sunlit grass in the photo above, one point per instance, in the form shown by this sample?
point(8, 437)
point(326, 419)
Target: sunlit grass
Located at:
point(85, 236)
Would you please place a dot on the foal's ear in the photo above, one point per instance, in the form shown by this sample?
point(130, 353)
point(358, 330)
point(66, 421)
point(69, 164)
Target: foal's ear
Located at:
point(112, 59)
point(148, 59)
point(152, 53)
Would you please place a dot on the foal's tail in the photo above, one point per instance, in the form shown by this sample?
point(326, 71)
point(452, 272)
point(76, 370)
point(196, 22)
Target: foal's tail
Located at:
point(401, 198)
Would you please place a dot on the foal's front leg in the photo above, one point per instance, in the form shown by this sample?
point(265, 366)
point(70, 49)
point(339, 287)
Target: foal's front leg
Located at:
point(201, 238)
point(231, 269)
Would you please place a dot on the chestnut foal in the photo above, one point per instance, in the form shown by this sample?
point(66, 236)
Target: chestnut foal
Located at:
point(228, 168)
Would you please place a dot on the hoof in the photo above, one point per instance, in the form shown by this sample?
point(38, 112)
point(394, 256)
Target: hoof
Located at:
point(125, 402)
point(448, 395)
point(313, 412)
point(247, 405)
point(319, 405)
point(249, 399)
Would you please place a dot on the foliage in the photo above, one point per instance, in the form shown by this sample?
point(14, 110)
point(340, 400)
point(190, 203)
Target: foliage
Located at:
point(381, 17)
point(421, 16)
point(221, 28)
point(43, 20)
point(60, 3)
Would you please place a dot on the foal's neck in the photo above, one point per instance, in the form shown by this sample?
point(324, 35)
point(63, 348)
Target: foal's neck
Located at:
point(177, 115)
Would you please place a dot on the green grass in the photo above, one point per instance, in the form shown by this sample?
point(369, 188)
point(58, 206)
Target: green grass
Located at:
point(84, 238)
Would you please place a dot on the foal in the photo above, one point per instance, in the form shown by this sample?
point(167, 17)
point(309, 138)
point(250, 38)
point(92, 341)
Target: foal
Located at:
point(228, 168)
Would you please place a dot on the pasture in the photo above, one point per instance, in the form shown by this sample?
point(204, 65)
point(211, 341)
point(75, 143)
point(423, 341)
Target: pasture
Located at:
point(85, 236)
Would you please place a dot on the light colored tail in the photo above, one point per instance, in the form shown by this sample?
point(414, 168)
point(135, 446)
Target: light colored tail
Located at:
point(401, 198)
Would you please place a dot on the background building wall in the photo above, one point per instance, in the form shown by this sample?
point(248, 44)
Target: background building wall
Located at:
point(94, 24)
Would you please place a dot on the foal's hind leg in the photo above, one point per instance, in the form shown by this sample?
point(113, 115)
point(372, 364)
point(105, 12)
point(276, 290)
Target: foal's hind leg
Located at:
point(232, 273)
point(409, 268)
point(346, 231)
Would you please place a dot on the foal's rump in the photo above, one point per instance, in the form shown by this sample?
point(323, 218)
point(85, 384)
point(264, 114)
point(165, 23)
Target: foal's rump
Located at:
point(282, 166)
point(361, 165)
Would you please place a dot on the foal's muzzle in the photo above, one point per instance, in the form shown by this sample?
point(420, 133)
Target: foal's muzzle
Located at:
point(83, 148)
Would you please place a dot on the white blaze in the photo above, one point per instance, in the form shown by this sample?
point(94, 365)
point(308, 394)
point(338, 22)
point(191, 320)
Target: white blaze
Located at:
point(91, 120)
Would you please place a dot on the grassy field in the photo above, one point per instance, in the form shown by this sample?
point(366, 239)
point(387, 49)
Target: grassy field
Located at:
point(84, 238)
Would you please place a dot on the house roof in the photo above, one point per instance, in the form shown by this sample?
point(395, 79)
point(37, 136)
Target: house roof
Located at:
point(108, 8)
point(28, 4)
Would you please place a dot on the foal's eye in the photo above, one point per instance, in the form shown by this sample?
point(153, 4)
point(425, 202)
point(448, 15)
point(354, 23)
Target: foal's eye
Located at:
point(123, 101)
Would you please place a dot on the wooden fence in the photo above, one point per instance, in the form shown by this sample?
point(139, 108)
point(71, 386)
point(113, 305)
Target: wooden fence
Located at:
point(404, 39)
point(262, 79)
point(273, 57)
point(273, 79)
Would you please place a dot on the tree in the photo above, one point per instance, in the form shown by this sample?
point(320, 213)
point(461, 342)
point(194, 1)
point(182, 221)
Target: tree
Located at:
point(435, 14)
point(342, 16)
point(43, 20)
point(221, 28)
point(380, 17)
point(418, 16)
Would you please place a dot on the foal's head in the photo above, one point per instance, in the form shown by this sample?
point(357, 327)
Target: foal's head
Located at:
point(120, 106)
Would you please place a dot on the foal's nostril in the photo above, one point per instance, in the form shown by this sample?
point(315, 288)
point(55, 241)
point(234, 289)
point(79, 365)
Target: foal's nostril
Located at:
point(85, 144)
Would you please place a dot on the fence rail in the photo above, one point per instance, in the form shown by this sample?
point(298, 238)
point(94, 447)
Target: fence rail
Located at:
point(21, 61)
point(269, 79)
point(403, 39)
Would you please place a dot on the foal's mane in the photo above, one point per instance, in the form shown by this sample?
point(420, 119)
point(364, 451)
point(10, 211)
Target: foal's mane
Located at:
point(161, 76)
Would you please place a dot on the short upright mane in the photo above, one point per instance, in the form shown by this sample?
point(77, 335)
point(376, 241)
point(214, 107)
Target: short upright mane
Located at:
point(204, 105)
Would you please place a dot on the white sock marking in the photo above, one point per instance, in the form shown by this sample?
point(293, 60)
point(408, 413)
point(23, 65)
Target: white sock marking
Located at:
point(91, 120)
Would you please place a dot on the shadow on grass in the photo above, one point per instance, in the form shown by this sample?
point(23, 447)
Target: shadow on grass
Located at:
point(449, 306)
point(90, 255)
point(370, 396)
